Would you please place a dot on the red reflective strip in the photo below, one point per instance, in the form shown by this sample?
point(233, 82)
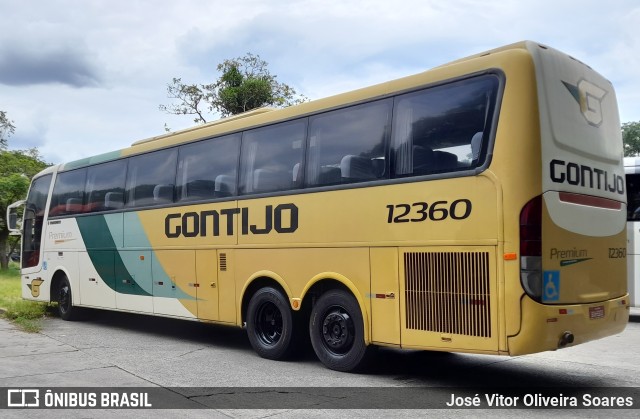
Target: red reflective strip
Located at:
point(591, 201)
point(381, 296)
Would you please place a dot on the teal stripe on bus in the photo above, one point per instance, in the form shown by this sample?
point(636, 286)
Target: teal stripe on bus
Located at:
point(136, 236)
point(125, 271)
point(105, 257)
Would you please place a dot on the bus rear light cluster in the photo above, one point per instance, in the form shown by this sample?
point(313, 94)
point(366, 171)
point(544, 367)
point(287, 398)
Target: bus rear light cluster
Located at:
point(531, 248)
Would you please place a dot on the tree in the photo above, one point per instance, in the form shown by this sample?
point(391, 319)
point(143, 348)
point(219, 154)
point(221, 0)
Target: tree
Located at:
point(245, 83)
point(6, 129)
point(17, 167)
point(631, 138)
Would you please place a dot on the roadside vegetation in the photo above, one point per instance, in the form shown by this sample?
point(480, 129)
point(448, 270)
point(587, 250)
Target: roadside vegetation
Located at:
point(25, 314)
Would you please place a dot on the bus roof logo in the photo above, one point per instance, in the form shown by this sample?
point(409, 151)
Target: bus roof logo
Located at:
point(589, 98)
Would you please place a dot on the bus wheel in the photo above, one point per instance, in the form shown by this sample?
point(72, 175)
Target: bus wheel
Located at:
point(270, 324)
point(66, 308)
point(337, 331)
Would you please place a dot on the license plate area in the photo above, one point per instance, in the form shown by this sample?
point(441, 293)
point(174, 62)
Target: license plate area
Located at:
point(596, 312)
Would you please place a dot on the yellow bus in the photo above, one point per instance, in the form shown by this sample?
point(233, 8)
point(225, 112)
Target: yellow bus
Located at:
point(476, 207)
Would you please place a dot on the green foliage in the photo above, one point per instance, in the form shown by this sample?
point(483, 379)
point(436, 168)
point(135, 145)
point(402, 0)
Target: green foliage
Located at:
point(26, 314)
point(17, 167)
point(247, 95)
point(245, 83)
point(6, 129)
point(631, 138)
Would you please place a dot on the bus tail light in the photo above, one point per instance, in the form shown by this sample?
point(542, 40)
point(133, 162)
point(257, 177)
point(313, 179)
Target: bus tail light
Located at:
point(531, 248)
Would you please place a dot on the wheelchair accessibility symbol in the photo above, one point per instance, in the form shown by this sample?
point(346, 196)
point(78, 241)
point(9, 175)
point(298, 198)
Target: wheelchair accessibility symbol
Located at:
point(551, 286)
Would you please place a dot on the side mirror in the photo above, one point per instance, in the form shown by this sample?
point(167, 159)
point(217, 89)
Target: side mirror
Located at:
point(13, 221)
point(12, 217)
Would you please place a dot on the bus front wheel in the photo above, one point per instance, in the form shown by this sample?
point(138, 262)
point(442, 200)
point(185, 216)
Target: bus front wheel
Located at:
point(337, 331)
point(270, 324)
point(66, 309)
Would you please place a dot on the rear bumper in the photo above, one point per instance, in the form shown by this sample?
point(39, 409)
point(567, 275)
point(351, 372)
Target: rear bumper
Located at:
point(543, 326)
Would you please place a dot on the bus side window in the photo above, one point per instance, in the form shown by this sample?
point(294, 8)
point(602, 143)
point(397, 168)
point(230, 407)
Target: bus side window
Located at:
point(105, 186)
point(68, 193)
point(151, 177)
point(207, 169)
point(269, 156)
point(349, 145)
point(440, 129)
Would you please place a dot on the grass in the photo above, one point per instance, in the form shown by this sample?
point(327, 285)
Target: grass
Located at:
point(26, 314)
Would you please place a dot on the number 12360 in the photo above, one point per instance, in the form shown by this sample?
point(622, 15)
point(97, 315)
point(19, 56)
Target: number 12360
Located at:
point(422, 211)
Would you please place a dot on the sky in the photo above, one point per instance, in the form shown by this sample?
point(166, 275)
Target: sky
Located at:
point(85, 77)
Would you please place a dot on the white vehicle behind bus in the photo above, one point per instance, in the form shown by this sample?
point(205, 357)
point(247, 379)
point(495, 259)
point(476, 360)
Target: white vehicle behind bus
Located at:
point(632, 172)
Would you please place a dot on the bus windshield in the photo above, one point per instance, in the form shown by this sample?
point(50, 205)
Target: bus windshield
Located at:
point(33, 220)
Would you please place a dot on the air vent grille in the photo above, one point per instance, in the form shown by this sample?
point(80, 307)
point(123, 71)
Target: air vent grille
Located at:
point(223, 262)
point(448, 292)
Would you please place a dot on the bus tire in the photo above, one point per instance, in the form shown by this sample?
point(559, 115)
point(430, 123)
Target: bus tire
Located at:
point(270, 324)
point(64, 298)
point(336, 329)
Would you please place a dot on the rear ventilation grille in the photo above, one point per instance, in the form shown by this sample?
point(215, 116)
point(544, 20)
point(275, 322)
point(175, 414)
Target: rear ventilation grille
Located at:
point(223, 262)
point(448, 292)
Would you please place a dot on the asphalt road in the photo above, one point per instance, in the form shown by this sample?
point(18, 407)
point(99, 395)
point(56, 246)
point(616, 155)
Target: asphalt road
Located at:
point(126, 350)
